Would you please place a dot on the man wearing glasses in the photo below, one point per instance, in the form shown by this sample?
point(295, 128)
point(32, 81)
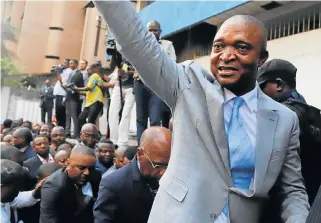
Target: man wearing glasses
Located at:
point(127, 194)
point(89, 135)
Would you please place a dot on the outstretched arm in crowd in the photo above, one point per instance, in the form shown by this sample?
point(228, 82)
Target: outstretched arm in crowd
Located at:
point(157, 70)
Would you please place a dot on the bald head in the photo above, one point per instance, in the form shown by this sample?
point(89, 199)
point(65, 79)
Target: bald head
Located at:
point(158, 137)
point(247, 20)
point(80, 150)
point(155, 28)
point(57, 130)
point(89, 128)
point(61, 158)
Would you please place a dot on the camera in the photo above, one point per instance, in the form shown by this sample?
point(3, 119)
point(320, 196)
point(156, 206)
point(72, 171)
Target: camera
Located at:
point(111, 46)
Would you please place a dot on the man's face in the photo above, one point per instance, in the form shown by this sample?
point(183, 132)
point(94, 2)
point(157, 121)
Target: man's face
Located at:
point(152, 165)
point(26, 125)
point(72, 64)
point(82, 65)
point(89, 137)
point(270, 89)
point(61, 159)
point(41, 146)
point(47, 83)
point(66, 64)
point(236, 55)
point(45, 130)
point(105, 153)
point(58, 137)
point(18, 141)
point(79, 167)
point(155, 29)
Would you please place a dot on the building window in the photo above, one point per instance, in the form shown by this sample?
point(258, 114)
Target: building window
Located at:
point(297, 22)
point(52, 57)
point(56, 28)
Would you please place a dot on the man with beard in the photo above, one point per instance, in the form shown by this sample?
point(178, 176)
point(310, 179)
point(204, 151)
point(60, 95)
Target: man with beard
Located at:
point(41, 147)
point(127, 195)
point(67, 196)
point(89, 135)
point(21, 139)
point(105, 154)
point(45, 130)
point(58, 137)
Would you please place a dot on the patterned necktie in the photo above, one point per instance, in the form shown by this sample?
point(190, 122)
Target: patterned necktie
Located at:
point(241, 151)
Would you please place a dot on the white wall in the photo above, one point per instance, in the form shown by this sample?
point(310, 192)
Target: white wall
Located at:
point(304, 51)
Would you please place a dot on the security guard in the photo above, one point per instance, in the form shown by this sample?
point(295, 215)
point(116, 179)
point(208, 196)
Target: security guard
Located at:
point(277, 79)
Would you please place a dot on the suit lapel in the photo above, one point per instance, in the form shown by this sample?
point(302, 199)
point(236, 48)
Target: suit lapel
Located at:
point(267, 120)
point(215, 102)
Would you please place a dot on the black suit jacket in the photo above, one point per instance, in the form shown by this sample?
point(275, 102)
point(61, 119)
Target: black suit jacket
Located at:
point(315, 212)
point(59, 203)
point(29, 153)
point(33, 165)
point(123, 197)
point(78, 80)
point(46, 97)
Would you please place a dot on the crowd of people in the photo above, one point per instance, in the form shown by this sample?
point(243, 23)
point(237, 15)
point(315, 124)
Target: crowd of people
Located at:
point(242, 146)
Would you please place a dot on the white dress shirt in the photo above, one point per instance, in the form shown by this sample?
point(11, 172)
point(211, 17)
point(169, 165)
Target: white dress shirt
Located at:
point(247, 113)
point(50, 160)
point(24, 199)
point(58, 90)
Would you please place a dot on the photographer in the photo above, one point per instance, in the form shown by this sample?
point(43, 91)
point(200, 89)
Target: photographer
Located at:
point(122, 98)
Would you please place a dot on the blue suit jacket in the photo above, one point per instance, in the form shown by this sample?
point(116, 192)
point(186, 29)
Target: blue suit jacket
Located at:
point(123, 197)
point(29, 153)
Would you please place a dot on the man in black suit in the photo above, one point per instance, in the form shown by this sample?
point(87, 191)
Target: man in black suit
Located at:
point(73, 98)
point(21, 139)
point(126, 196)
point(41, 147)
point(47, 101)
point(67, 196)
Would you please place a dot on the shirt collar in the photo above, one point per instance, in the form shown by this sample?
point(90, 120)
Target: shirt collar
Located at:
point(250, 98)
point(23, 150)
point(50, 160)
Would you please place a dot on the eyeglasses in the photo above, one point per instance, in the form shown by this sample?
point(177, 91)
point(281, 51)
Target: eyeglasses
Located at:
point(160, 166)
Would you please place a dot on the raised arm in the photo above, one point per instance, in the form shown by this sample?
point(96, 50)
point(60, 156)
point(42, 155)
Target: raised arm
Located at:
point(157, 70)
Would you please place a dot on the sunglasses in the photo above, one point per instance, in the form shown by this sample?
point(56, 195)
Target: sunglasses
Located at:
point(158, 166)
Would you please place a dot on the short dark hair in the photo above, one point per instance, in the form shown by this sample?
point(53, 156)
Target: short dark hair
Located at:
point(11, 172)
point(75, 61)
point(107, 141)
point(47, 169)
point(28, 123)
point(64, 146)
point(7, 123)
point(25, 133)
point(9, 152)
point(40, 136)
point(130, 152)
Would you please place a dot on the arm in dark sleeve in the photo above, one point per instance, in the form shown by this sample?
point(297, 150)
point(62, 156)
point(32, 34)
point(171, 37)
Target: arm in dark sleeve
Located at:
point(106, 205)
point(48, 209)
point(80, 80)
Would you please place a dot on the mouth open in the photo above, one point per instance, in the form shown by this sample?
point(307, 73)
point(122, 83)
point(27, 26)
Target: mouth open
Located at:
point(227, 68)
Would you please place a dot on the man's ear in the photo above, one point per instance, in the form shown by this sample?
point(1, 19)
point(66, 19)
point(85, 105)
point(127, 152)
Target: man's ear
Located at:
point(67, 163)
point(139, 154)
point(279, 85)
point(263, 57)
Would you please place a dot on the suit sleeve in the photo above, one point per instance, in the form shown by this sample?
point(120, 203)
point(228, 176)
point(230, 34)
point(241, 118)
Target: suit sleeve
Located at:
point(49, 195)
point(106, 204)
point(294, 199)
point(155, 67)
point(80, 80)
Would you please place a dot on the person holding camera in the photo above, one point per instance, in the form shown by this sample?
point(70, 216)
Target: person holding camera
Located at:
point(121, 103)
point(73, 98)
point(148, 104)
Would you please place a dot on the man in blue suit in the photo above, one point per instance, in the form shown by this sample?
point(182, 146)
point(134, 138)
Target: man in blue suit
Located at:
point(21, 139)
